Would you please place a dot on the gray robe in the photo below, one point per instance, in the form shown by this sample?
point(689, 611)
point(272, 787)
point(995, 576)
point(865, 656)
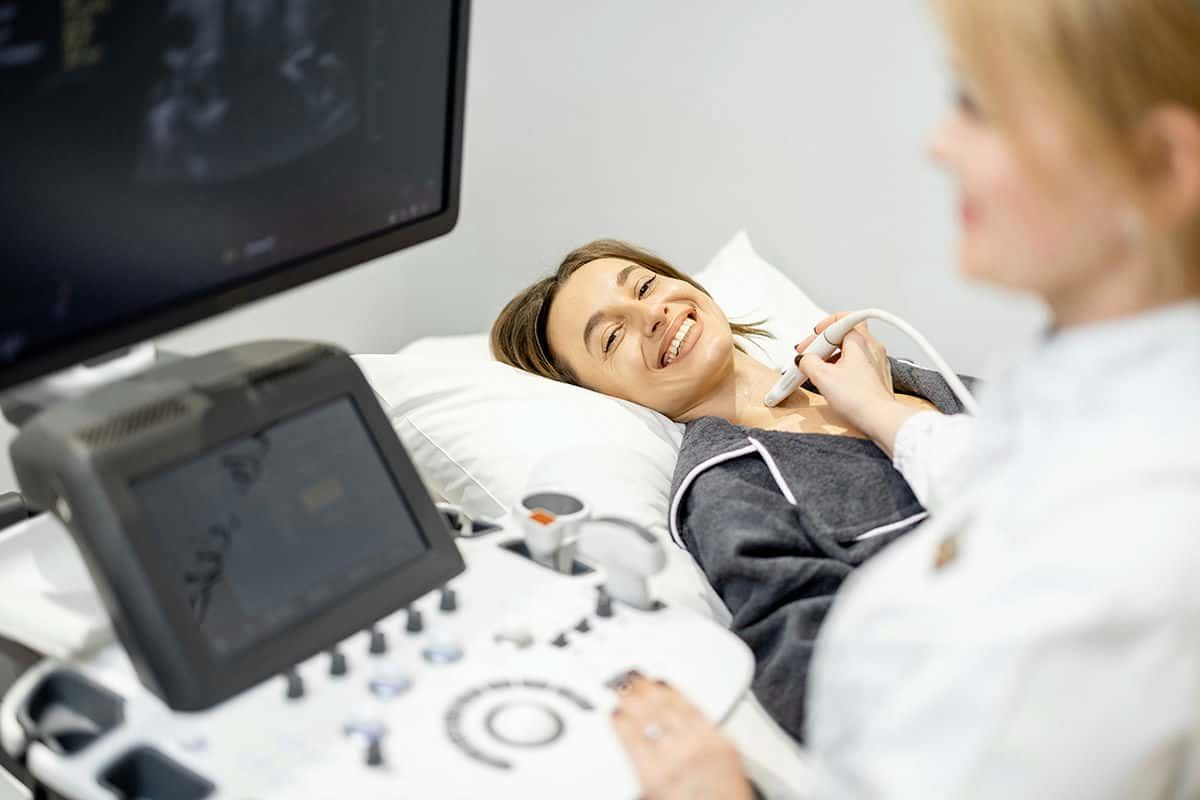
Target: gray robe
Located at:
point(777, 520)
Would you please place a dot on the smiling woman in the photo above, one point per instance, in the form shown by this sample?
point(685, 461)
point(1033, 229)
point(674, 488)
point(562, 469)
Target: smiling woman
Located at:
point(777, 505)
point(608, 320)
point(630, 332)
point(519, 335)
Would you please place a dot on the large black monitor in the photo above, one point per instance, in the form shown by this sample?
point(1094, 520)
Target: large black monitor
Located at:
point(162, 161)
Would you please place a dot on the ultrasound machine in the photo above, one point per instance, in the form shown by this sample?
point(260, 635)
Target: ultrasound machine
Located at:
point(288, 613)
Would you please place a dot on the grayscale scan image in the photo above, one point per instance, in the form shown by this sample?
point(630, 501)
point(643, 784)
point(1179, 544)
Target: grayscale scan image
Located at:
point(247, 84)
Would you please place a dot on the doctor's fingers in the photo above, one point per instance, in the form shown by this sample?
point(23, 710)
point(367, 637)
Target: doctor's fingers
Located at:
point(871, 350)
point(832, 318)
point(821, 326)
point(656, 730)
point(677, 753)
point(863, 336)
point(659, 701)
point(857, 353)
point(818, 329)
point(682, 765)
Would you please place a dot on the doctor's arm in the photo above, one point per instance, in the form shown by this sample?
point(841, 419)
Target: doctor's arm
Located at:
point(1075, 675)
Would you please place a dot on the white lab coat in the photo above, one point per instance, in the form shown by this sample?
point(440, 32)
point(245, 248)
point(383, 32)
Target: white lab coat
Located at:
point(1056, 652)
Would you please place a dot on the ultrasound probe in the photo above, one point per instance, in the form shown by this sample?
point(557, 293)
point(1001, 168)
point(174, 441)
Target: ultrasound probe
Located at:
point(828, 341)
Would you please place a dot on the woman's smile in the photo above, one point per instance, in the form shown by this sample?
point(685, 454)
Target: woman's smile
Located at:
point(687, 332)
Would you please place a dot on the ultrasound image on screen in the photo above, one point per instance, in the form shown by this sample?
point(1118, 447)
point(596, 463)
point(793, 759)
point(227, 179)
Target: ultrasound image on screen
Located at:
point(247, 85)
point(155, 150)
point(262, 531)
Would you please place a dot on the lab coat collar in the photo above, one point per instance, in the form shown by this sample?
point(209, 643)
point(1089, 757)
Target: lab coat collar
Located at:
point(1073, 383)
point(1078, 367)
point(1125, 335)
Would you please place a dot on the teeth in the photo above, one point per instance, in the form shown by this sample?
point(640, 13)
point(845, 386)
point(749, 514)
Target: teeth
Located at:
point(673, 350)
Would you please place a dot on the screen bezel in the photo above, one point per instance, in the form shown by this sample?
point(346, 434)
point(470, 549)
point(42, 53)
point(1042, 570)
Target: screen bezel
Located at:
point(170, 653)
point(94, 343)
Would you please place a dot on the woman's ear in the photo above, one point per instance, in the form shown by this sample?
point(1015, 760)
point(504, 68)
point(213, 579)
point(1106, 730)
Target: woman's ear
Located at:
point(1169, 144)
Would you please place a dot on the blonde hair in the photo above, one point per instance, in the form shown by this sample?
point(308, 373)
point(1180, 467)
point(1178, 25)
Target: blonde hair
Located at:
point(519, 333)
point(1105, 64)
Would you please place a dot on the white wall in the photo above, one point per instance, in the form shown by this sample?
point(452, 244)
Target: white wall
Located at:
point(671, 124)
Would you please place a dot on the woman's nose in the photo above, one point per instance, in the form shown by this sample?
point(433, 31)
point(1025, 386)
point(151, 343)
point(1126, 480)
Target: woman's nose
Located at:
point(939, 145)
point(659, 319)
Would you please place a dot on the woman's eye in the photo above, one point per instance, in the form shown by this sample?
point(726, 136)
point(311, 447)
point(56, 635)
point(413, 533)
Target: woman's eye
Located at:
point(608, 343)
point(966, 102)
point(645, 287)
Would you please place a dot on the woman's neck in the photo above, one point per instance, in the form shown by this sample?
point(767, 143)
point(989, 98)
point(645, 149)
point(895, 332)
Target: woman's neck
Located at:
point(1131, 285)
point(738, 398)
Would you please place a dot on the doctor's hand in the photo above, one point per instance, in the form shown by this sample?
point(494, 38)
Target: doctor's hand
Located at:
point(676, 752)
point(856, 378)
point(857, 382)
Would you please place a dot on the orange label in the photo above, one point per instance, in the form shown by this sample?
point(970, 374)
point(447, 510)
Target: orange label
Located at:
point(541, 516)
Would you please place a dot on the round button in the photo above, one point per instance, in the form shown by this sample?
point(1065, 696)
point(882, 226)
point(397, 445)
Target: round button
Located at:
point(520, 638)
point(524, 724)
point(388, 684)
point(369, 728)
point(194, 744)
point(442, 649)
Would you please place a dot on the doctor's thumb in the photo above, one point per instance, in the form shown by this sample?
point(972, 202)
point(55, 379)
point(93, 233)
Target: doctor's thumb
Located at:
point(814, 368)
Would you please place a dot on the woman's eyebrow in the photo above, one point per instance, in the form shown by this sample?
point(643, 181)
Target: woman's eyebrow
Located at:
point(596, 318)
point(592, 322)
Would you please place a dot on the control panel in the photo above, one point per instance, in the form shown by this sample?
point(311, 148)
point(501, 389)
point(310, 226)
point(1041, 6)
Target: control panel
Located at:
point(499, 683)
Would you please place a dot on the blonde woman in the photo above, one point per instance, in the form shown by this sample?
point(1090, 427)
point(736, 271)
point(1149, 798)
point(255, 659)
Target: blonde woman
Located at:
point(1039, 637)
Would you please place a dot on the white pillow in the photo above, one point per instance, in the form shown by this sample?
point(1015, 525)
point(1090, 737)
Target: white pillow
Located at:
point(748, 289)
point(483, 433)
point(478, 429)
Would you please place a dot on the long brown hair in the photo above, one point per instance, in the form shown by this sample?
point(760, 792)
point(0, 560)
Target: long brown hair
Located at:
point(519, 333)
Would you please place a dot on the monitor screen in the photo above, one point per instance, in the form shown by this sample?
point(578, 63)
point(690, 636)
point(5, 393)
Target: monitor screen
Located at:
point(165, 160)
point(245, 529)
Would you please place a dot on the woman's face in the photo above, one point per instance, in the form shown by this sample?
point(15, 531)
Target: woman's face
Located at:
point(1034, 214)
point(632, 333)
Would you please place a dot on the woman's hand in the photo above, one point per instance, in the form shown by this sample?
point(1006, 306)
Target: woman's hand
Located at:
point(857, 383)
point(676, 752)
